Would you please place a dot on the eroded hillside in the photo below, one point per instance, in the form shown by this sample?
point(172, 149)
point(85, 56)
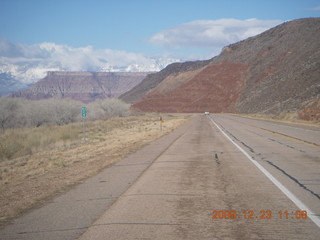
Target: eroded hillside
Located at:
point(275, 72)
point(82, 86)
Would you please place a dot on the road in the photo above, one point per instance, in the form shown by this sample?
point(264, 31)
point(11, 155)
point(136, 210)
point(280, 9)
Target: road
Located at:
point(203, 175)
point(216, 177)
point(291, 153)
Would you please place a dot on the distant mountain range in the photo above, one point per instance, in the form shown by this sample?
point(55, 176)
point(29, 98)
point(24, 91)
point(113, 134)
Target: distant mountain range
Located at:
point(82, 86)
point(22, 65)
point(275, 72)
point(9, 84)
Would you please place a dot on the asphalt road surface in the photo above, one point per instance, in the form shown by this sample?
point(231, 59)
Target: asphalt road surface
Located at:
point(216, 177)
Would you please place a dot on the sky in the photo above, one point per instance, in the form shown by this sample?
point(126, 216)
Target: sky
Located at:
point(100, 31)
point(136, 26)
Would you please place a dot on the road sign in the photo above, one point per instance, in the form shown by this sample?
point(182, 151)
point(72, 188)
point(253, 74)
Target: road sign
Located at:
point(84, 112)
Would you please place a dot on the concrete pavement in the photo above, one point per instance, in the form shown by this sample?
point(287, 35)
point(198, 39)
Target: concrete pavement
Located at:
point(191, 189)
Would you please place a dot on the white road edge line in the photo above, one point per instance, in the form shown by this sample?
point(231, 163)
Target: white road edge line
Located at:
point(289, 194)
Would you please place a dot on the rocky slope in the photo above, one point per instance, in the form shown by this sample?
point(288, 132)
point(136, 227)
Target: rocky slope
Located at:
point(152, 80)
point(275, 72)
point(82, 86)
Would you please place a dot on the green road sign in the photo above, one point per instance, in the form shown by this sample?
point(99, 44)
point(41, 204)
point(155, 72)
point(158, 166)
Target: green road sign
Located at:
point(84, 112)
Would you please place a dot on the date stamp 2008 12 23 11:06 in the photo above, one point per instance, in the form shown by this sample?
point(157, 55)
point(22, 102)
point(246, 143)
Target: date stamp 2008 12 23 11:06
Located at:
point(262, 214)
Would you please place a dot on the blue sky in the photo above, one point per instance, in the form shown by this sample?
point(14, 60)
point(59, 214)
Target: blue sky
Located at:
point(129, 25)
point(37, 36)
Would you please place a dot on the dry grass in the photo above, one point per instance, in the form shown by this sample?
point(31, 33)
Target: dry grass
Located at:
point(20, 142)
point(64, 159)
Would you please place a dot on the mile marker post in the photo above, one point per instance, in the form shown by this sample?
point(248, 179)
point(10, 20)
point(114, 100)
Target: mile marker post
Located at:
point(84, 115)
point(161, 122)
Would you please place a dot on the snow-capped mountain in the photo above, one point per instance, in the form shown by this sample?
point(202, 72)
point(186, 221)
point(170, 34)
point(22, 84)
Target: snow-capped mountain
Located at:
point(22, 65)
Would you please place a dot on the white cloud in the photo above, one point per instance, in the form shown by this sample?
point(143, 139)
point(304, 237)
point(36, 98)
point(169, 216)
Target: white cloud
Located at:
point(210, 34)
point(317, 8)
point(29, 63)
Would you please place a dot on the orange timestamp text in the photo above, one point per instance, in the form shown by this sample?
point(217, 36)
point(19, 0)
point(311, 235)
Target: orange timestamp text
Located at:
point(262, 214)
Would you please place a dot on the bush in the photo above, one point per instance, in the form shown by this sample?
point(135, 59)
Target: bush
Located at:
point(52, 112)
point(109, 108)
point(17, 113)
point(10, 113)
point(106, 108)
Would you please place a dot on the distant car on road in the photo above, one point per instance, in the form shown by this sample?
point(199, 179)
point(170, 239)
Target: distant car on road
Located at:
point(206, 113)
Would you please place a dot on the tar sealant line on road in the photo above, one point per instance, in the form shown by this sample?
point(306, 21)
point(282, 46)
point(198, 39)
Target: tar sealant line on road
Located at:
point(292, 138)
point(289, 194)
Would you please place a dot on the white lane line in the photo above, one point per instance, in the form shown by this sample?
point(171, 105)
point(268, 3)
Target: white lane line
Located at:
point(289, 194)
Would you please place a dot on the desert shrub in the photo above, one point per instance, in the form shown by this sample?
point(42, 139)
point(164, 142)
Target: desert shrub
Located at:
point(106, 108)
point(64, 111)
point(114, 107)
point(10, 113)
point(15, 113)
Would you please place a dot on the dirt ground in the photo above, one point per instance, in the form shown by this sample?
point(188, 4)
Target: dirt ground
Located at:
point(30, 181)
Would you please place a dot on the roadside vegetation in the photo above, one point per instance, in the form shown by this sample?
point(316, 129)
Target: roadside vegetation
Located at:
point(38, 161)
point(18, 113)
point(28, 127)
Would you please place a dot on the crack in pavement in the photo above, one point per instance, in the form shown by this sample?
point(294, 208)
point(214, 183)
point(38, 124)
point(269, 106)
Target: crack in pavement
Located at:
point(294, 179)
point(100, 224)
point(159, 194)
point(136, 223)
point(53, 230)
